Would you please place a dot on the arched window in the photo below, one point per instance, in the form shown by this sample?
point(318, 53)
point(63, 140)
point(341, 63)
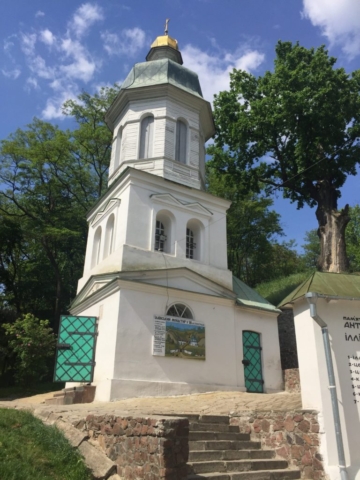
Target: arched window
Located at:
point(194, 239)
point(190, 243)
point(179, 310)
point(96, 248)
point(146, 137)
point(164, 232)
point(109, 236)
point(117, 158)
point(160, 237)
point(181, 141)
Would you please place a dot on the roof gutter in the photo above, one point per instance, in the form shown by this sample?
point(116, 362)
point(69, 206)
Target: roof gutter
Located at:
point(312, 297)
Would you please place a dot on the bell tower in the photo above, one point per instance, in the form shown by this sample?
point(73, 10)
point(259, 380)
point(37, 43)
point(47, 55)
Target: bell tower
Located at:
point(160, 119)
point(156, 214)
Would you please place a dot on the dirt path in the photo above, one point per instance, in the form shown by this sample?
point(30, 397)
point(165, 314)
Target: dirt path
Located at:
point(205, 403)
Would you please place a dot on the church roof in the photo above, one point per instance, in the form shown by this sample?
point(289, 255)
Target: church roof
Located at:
point(248, 297)
point(162, 71)
point(341, 285)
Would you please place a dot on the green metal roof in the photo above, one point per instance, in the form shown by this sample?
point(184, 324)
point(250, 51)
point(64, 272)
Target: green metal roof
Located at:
point(250, 298)
point(344, 285)
point(162, 71)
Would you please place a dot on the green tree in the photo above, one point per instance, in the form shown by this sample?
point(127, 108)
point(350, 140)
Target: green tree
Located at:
point(32, 342)
point(254, 253)
point(92, 139)
point(296, 129)
point(353, 238)
point(311, 249)
point(42, 190)
point(49, 178)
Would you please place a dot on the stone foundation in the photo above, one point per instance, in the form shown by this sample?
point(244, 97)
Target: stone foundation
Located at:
point(293, 435)
point(143, 448)
point(292, 380)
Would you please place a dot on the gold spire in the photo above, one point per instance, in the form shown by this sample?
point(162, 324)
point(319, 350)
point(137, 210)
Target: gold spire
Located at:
point(165, 40)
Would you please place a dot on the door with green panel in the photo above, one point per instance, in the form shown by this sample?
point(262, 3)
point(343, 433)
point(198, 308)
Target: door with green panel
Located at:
point(252, 362)
point(75, 350)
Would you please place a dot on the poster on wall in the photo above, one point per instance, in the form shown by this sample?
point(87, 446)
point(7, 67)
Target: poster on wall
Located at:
point(178, 337)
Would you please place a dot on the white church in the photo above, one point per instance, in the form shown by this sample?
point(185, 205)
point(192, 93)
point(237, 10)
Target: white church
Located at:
point(170, 316)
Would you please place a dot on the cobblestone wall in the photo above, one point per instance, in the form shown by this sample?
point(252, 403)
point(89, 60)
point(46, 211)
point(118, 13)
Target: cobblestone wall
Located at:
point(287, 340)
point(143, 448)
point(293, 435)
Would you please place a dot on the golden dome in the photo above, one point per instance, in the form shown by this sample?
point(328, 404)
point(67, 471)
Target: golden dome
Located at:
point(165, 41)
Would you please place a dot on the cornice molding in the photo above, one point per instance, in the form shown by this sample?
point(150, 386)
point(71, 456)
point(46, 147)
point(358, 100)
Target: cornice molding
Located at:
point(170, 200)
point(111, 204)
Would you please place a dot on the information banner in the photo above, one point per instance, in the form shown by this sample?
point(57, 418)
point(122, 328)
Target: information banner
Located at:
point(178, 337)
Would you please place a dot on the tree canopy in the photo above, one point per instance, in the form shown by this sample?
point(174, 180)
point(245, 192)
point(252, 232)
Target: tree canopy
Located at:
point(295, 129)
point(49, 178)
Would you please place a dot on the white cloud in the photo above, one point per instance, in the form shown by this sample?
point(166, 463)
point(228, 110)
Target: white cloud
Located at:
point(82, 67)
point(53, 108)
point(214, 69)
point(14, 74)
point(65, 66)
point(39, 13)
point(39, 68)
point(47, 37)
point(129, 42)
point(28, 41)
point(9, 44)
point(339, 21)
point(84, 17)
point(31, 84)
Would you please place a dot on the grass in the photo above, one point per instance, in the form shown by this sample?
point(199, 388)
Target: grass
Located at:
point(30, 450)
point(276, 290)
point(18, 391)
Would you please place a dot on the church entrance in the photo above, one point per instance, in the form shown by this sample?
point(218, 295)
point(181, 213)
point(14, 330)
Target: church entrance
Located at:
point(252, 362)
point(75, 350)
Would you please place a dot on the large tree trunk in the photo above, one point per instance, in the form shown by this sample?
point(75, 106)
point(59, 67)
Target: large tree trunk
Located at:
point(332, 225)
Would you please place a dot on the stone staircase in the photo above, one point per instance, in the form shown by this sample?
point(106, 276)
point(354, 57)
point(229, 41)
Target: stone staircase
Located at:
point(218, 451)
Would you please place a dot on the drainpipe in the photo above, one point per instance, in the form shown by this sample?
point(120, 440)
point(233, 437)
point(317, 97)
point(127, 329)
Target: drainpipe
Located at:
point(312, 297)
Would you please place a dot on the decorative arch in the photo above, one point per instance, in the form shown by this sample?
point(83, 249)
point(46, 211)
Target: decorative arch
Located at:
point(164, 232)
point(109, 236)
point(146, 137)
point(95, 257)
point(194, 239)
point(180, 310)
point(181, 141)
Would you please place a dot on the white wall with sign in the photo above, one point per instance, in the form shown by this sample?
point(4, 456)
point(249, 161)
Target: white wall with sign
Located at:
point(343, 320)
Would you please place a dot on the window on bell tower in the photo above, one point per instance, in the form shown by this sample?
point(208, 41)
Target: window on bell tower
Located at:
point(146, 137)
point(181, 141)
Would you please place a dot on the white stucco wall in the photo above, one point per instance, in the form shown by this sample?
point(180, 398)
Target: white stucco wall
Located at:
point(166, 112)
point(135, 202)
point(126, 366)
point(314, 377)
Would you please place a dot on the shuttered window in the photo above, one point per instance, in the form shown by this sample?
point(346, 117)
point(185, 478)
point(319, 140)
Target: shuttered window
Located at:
point(181, 141)
point(146, 137)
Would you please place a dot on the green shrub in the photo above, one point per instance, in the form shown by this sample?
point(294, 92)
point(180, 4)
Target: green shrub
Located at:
point(32, 342)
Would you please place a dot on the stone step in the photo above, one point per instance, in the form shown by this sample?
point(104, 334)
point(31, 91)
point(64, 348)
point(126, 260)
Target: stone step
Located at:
point(205, 455)
point(223, 445)
point(237, 466)
point(214, 419)
point(213, 427)
point(205, 435)
point(257, 475)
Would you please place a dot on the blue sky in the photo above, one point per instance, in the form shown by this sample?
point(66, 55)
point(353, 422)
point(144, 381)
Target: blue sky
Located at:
point(51, 50)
